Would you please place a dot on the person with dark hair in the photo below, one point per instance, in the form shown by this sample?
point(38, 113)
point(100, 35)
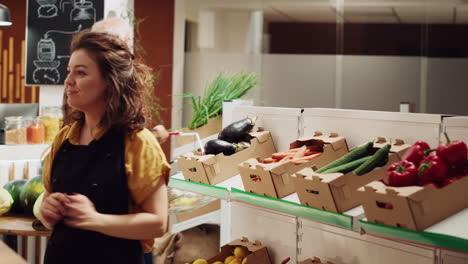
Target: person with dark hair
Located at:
point(106, 176)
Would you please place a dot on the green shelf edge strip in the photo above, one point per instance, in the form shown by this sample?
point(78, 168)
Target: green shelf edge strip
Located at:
point(427, 238)
point(288, 207)
point(197, 187)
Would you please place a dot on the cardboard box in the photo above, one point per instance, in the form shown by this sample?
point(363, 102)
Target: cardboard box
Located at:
point(273, 179)
point(210, 207)
point(314, 261)
point(213, 126)
point(213, 169)
point(413, 207)
point(337, 192)
point(258, 252)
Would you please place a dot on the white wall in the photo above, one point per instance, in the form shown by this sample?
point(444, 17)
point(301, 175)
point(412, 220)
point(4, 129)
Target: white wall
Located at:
point(369, 82)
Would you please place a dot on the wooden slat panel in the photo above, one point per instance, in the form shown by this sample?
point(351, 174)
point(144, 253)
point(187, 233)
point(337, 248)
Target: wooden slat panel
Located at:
point(1, 44)
point(23, 91)
point(11, 172)
point(23, 58)
point(10, 53)
point(11, 79)
point(38, 250)
point(33, 94)
point(17, 81)
point(5, 74)
point(24, 240)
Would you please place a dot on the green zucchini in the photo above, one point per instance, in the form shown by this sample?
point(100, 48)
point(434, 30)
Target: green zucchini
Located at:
point(345, 168)
point(354, 154)
point(375, 160)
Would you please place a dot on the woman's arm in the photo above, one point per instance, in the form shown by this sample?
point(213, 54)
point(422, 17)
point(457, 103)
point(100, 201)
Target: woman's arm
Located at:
point(145, 225)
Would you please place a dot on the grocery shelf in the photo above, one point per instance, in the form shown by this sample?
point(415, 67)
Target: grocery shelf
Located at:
point(292, 208)
point(208, 218)
point(290, 204)
point(450, 233)
point(22, 152)
point(179, 183)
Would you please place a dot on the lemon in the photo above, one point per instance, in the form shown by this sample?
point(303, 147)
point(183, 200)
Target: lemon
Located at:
point(200, 261)
point(240, 252)
point(228, 259)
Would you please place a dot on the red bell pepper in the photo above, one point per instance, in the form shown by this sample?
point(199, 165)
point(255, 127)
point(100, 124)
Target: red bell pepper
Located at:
point(454, 152)
point(448, 181)
point(455, 171)
point(402, 173)
point(417, 152)
point(432, 169)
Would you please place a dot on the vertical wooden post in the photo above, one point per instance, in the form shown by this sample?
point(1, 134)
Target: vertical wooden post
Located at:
point(18, 91)
point(10, 53)
point(33, 94)
point(5, 73)
point(23, 58)
point(11, 94)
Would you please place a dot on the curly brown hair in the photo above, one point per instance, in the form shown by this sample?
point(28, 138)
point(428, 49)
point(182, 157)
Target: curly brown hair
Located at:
point(129, 82)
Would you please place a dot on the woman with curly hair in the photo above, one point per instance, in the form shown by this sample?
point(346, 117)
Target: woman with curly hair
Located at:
point(106, 175)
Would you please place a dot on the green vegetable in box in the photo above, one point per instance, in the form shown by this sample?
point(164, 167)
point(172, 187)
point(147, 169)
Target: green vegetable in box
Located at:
point(30, 192)
point(14, 188)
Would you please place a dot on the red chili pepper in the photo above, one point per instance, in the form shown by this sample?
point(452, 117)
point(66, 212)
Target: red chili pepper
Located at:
point(454, 152)
point(432, 169)
point(402, 173)
point(417, 152)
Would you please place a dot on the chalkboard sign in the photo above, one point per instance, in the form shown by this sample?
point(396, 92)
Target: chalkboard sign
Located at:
point(51, 24)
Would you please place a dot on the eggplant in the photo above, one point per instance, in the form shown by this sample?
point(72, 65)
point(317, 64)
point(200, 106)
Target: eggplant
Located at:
point(236, 131)
point(216, 146)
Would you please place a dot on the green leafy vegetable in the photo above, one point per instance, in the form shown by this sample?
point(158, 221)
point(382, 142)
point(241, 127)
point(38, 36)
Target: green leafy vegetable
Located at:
point(223, 87)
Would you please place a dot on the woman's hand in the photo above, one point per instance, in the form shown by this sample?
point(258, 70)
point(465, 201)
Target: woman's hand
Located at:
point(80, 212)
point(53, 208)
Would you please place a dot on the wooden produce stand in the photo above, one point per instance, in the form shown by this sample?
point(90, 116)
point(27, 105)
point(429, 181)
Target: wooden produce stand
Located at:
point(22, 226)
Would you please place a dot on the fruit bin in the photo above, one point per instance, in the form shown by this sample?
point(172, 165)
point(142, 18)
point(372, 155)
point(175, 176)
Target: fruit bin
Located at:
point(257, 253)
point(273, 179)
point(413, 207)
point(337, 192)
point(213, 169)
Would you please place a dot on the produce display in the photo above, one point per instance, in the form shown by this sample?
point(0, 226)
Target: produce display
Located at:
point(25, 195)
point(14, 188)
point(233, 138)
point(424, 166)
point(239, 256)
point(360, 160)
point(295, 155)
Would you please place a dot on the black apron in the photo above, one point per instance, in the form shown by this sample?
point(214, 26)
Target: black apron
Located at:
point(96, 171)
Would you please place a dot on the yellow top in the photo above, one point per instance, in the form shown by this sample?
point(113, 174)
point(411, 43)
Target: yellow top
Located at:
point(145, 164)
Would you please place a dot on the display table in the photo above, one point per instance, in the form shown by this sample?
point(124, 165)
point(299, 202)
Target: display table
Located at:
point(20, 226)
point(7, 255)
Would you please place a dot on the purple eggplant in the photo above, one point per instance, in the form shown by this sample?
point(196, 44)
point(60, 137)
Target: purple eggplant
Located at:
point(236, 131)
point(216, 146)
